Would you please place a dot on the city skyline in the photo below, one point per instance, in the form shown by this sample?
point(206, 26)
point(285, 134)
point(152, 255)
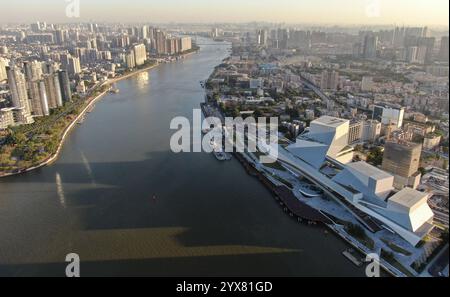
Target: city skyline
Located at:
point(231, 138)
point(367, 12)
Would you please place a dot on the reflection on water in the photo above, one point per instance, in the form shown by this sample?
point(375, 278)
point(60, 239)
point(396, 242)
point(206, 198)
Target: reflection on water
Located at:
point(142, 80)
point(60, 190)
point(88, 167)
point(209, 218)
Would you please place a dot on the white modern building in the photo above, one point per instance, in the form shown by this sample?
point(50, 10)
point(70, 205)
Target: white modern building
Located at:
point(185, 44)
point(140, 54)
point(326, 137)
point(366, 191)
point(389, 115)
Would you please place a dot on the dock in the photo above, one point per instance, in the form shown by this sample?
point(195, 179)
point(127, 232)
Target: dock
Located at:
point(284, 196)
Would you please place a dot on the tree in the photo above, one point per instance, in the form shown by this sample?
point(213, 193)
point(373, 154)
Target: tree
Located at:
point(19, 138)
point(375, 157)
point(422, 171)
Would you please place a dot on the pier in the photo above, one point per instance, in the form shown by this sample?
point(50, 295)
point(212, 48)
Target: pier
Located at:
point(285, 197)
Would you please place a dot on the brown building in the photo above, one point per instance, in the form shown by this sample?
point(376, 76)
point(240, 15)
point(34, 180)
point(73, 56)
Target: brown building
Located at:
point(402, 159)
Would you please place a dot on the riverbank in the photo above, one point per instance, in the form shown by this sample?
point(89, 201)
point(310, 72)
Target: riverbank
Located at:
point(296, 208)
point(70, 126)
point(98, 197)
point(133, 73)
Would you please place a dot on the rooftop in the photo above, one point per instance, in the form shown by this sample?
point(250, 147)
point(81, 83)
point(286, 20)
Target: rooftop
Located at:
point(330, 121)
point(369, 170)
point(408, 197)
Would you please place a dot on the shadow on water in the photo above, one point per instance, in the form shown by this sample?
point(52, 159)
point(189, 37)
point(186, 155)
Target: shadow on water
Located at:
point(129, 206)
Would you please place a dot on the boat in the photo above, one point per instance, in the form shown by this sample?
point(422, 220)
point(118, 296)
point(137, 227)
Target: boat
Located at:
point(218, 152)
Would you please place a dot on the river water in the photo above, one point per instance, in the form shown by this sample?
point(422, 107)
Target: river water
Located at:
point(128, 206)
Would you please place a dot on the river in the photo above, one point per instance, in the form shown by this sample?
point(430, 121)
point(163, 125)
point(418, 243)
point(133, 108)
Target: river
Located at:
point(119, 198)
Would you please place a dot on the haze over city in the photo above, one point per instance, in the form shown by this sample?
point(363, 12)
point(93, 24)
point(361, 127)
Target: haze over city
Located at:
point(379, 12)
point(225, 138)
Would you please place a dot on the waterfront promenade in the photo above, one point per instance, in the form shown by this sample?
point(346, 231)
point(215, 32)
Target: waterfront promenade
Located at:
point(88, 104)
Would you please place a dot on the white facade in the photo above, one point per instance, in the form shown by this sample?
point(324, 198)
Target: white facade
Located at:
point(391, 115)
point(366, 187)
point(140, 54)
point(185, 44)
point(3, 64)
point(331, 131)
point(371, 130)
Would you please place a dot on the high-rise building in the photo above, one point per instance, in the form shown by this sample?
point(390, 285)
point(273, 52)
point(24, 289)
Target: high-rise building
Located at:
point(53, 91)
point(371, 130)
point(329, 80)
point(356, 51)
point(426, 44)
point(215, 32)
point(143, 32)
point(283, 38)
point(443, 51)
point(389, 115)
point(416, 31)
point(171, 46)
point(262, 37)
point(370, 46)
point(422, 55)
point(399, 37)
point(38, 98)
point(19, 95)
point(140, 54)
point(74, 66)
point(33, 70)
point(186, 44)
point(402, 160)
point(129, 58)
point(355, 132)
point(64, 84)
point(160, 42)
point(411, 54)
point(3, 64)
point(60, 36)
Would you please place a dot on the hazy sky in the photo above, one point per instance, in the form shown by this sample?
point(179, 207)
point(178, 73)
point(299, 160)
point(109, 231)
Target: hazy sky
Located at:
point(408, 12)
